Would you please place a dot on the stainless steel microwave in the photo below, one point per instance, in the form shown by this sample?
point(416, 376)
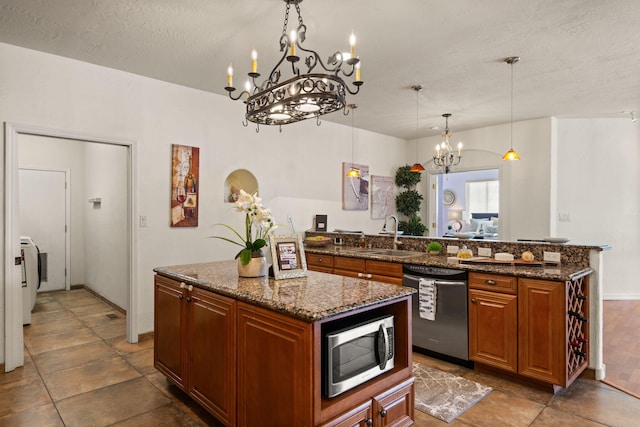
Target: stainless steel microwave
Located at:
point(356, 354)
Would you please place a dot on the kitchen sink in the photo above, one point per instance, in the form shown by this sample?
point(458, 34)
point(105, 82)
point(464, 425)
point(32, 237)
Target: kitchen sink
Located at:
point(394, 252)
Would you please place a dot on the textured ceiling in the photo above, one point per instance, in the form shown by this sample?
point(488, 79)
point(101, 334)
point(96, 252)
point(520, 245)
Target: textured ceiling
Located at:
point(580, 58)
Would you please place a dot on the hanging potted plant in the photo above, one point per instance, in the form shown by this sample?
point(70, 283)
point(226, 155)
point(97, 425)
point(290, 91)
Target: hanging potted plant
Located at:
point(258, 223)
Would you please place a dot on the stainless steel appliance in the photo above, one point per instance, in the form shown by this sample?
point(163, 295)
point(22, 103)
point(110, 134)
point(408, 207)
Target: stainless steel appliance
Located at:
point(355, 354)
point(448, 334)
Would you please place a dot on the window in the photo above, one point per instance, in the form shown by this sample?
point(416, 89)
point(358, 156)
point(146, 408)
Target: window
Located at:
point(483, 196)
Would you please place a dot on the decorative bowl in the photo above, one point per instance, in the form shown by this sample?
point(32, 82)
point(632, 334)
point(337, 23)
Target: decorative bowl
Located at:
point(316, 242)
point(463, 236)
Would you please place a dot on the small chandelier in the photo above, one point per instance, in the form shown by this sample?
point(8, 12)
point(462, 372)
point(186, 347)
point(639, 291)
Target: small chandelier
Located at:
point(318, 90)
point(445, 157)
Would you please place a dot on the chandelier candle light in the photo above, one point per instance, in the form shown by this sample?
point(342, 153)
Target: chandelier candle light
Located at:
point(317, 90)
point(445, 157)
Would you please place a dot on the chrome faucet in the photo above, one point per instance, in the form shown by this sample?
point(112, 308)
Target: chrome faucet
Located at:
point(396, 243)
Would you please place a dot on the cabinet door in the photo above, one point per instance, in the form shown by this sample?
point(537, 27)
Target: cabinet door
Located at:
point(351, 264)
point(542, 330)
point(394, 408)
point(275, 378)
point(493, 329)
point(169, 351)
point(212, 353)
point(359, 416)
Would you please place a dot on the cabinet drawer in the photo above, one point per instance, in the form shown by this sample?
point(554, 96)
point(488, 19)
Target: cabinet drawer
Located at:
point(493, 282)
point(384, 268)
point(320, 260)
point(353, 264)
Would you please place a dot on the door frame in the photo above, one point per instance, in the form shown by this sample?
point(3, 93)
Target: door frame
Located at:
point(14, 340)
point(67, 218)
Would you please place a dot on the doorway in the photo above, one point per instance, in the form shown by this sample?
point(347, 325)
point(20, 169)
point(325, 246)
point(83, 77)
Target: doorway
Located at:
point(44, 215)
point(14, 356)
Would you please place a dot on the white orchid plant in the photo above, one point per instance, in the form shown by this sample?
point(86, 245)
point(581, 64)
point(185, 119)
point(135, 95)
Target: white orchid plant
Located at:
point(258, 224)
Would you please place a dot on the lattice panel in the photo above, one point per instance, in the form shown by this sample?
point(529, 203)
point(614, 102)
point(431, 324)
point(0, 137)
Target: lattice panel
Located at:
point(577, 324)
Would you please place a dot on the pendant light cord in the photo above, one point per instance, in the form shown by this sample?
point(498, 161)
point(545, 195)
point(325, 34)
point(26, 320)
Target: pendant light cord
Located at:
point(511, 105)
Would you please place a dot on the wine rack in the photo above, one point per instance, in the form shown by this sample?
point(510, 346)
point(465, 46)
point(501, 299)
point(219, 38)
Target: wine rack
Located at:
point(577, 324)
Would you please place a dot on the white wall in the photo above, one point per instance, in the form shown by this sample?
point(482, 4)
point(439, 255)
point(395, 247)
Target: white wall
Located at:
point(59, 153)
point(299, 170)
point(598, 176)
point(106, 228)
point(524, 185)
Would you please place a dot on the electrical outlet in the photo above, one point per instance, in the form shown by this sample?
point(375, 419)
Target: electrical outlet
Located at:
point(484, 252)
point(452, 249)
point(564, 217)
point(551, 257)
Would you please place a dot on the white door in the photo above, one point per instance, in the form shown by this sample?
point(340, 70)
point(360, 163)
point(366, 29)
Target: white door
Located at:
point(42, 213)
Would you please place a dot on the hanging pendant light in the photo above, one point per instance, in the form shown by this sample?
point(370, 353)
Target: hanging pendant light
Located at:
point(417, 167)
point(511, 154)
point(446, 157)
point(353, 171)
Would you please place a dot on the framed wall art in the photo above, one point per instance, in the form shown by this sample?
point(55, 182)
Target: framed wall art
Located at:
point(185, 170)
point(383, 201)
point(287, 254)
point(355, 190)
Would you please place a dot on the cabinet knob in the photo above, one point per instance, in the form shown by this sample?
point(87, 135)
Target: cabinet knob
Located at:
point(359, 274)
point(473, 300)
point(383, 413)
point(188, 299)
point(190, 288)
point(369, 422)
point(368, 276)
point(319, 259)
point(183, 285)
point(490, 282)
point(180, 296)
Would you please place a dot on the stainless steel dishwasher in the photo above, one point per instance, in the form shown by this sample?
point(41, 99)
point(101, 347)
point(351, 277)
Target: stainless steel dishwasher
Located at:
point(448, 334)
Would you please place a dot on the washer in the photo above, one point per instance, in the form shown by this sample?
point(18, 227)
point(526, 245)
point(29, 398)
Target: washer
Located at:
point(30, 276)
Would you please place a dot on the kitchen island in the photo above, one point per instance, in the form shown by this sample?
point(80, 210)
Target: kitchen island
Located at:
point(250, 350)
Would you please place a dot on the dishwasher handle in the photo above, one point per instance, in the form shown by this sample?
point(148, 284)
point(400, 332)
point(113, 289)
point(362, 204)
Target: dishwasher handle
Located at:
point(437, 282)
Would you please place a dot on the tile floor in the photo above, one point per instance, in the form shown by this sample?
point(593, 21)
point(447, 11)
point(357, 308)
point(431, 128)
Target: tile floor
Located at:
point(80, 371)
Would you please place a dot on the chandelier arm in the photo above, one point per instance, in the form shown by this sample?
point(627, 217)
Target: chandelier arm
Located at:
point(356, 85)
point(244, 92)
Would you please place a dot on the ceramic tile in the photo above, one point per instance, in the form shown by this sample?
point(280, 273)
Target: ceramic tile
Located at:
point(21, 395)
point(70, 357)
point(500, 409)
point(87, 377)
point(48, 328)
point(553, 417)
point(112, 404)
point(26, 372)
point(95, 307)
point(47, 306)
point(121, 345)
point(42, 416)
point(142, 361)
point(40, 344)
point(103, 318)
point(51, 316)
point(165, 416)
point(511, 387)
point(598, 402)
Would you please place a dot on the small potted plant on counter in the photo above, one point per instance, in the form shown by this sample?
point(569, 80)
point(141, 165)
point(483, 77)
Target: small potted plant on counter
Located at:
point(434, 248)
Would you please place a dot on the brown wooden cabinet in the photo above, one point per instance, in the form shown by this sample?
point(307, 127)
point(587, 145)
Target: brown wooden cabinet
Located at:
point(319, 262)
point(493, 328)
point(249, 365)
point(195, 344)
point(274, 367)
point(380, 271)
point(552, 336)
point(394, 407)
point(530, 327)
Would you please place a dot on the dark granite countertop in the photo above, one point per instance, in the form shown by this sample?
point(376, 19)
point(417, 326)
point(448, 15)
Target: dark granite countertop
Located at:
point(560, 272)
point(311, 298)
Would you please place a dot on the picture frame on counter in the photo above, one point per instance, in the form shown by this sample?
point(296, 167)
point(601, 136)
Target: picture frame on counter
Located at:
point(287, 254)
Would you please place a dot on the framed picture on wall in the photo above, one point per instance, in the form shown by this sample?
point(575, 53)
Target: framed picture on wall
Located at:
point(185, 171)
point(287, 254)
point(383, 201)
point(355, 190)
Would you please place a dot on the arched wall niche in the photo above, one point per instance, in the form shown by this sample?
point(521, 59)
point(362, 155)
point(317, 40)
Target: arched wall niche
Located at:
point(239, 179)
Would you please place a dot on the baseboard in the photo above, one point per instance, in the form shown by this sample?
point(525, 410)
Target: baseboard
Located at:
point(621, 297)
point(103, 299)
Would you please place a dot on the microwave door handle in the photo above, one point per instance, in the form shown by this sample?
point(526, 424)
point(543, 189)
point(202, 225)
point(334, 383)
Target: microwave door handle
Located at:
point(382, 334)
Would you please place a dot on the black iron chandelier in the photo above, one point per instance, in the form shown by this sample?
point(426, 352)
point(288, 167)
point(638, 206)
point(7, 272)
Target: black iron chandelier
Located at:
point(317, 91)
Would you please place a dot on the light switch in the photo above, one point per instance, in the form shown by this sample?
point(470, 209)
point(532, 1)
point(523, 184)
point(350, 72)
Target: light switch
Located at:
point(143, 221)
